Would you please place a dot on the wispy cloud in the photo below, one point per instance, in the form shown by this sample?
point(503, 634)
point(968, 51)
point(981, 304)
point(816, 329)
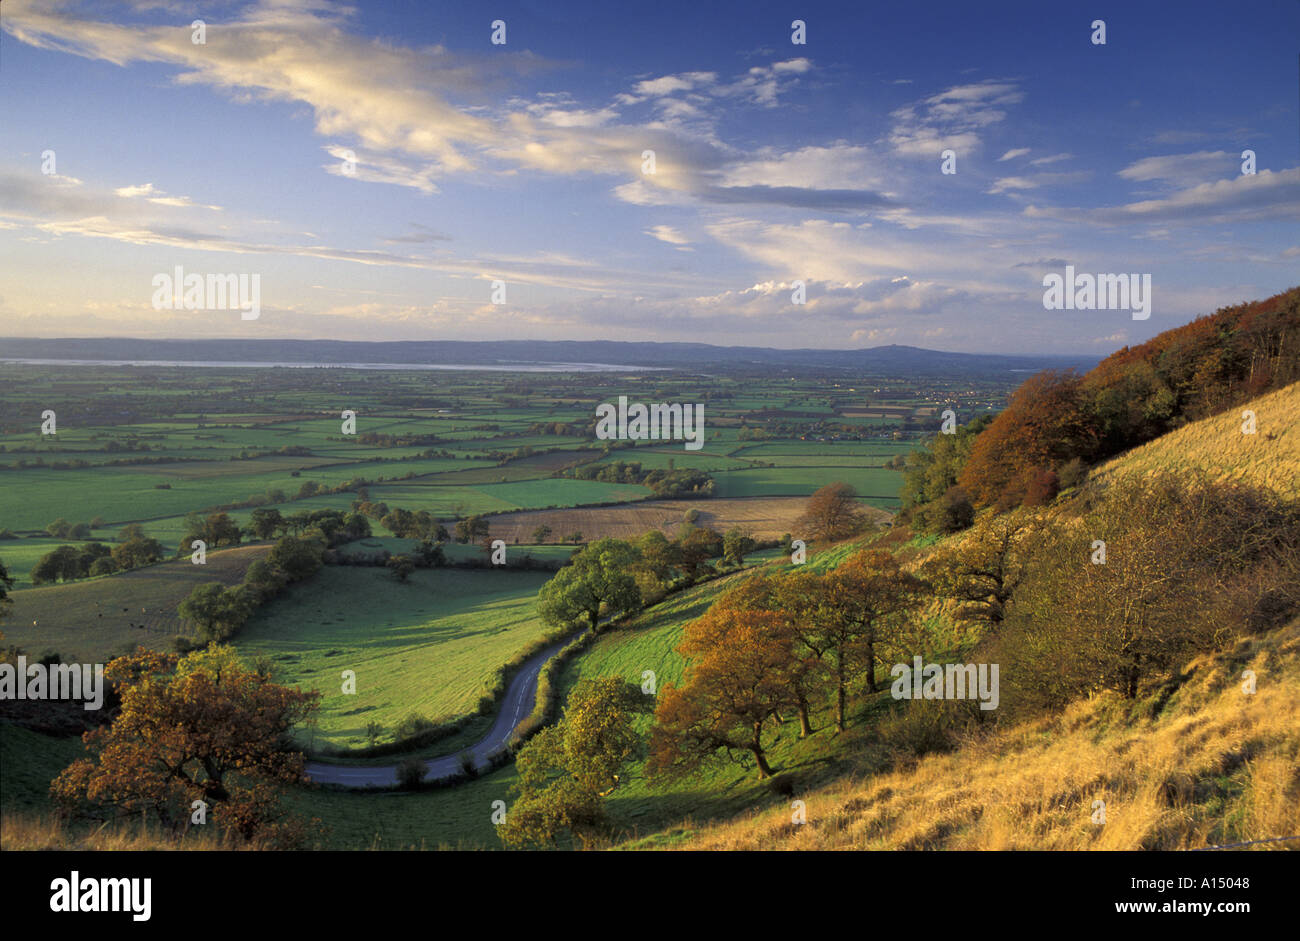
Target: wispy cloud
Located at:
point(952, 119)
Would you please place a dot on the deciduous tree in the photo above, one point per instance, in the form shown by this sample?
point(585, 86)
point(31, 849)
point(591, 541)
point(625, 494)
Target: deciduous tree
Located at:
point(833, 512)
point(737, 680)
point(598, 578)
point(201, 728)
point(864, 597)
point(566, 770)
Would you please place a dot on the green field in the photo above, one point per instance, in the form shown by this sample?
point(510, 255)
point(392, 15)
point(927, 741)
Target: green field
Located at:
point(21, 555)
point(878, 484)
point(679, 459)
point(426, 646)
point(505, 497)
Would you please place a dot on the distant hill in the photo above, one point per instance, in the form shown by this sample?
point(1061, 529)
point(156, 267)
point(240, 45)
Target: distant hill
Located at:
point(884, 360)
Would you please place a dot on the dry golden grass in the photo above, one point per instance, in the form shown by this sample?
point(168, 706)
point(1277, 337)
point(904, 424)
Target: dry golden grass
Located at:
point(27, 831)
point(1269, 458)
point(1216, 766)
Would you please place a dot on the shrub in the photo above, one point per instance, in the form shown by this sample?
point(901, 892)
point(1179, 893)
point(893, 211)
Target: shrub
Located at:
point(467, 765)
point(954, 511)
point(411, 726)
point(921, 727)
point(103, 566)
point(1072, 473)
point(411, 773)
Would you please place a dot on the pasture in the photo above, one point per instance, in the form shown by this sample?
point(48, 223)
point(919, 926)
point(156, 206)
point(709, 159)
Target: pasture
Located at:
point(875, 485)
point(96, 618)
point(429, 645)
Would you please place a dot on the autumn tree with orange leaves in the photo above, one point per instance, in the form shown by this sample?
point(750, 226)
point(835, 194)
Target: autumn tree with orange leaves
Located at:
point(737, 681)
point(1044, 426)
point(201, 728)
point(797, 599)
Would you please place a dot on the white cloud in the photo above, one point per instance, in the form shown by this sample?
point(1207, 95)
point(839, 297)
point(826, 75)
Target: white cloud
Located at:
point(666, 233)
point(1199, 167)
point(762, 84)
point(1012, 154)
point(668, 84)
point(837, 166)
point(142, 189)
point(1009, 183)
point(951, 119)
point(1263, 196)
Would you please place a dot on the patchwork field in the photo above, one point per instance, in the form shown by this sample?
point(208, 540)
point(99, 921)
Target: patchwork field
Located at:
point(762, 517)
point(143, 445)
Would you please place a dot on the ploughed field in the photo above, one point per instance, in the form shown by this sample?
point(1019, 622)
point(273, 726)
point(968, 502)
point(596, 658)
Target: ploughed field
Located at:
point(762, 517)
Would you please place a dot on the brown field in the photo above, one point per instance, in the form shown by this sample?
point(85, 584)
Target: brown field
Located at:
point(90, 620)
point(761, 517)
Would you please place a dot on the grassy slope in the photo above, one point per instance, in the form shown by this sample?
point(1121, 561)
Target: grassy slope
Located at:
point(1214, 766)
point(1216, 445)
point(648, 642)
point(428, 646)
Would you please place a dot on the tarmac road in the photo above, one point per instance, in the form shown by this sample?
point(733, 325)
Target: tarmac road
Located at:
point(515, 706)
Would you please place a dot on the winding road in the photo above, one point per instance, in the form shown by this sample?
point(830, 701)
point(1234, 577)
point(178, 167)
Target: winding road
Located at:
point(515, 706)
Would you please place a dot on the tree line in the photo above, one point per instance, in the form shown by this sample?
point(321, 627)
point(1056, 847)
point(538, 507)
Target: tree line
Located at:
point(1057, 424)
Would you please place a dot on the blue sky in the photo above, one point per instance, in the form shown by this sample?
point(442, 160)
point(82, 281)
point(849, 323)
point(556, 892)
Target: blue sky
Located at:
point(522, 162)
